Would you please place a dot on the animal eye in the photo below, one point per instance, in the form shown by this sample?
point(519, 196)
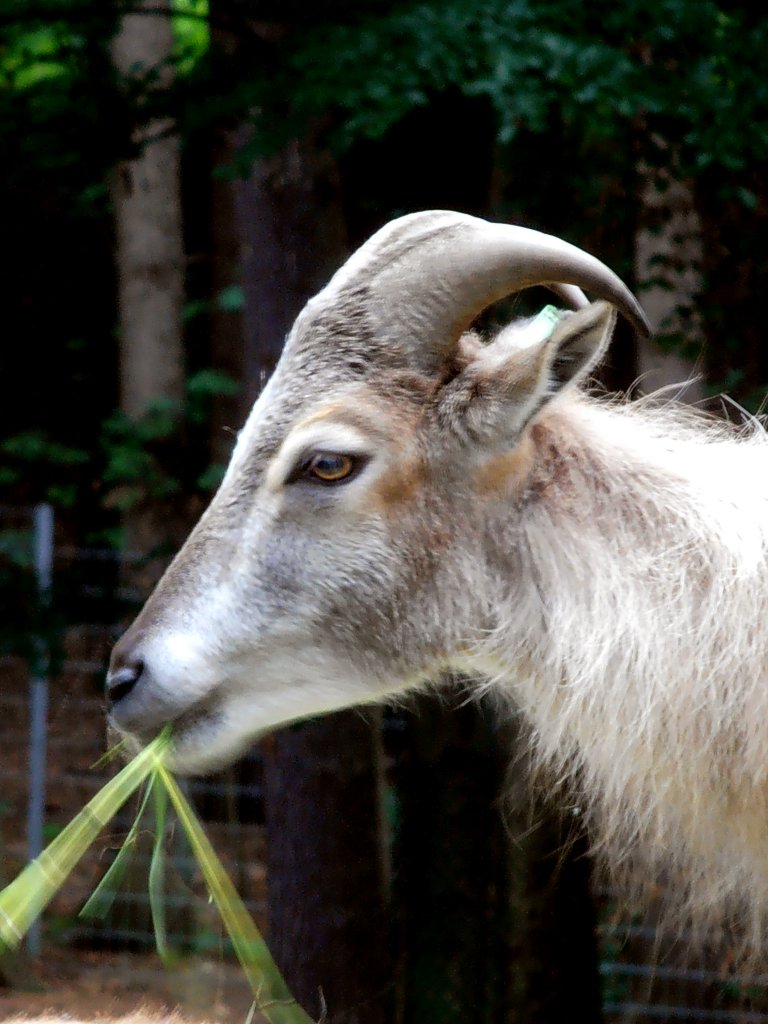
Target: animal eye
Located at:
point(330, 467)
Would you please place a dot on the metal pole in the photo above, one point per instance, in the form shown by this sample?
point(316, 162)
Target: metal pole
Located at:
point(42, 532)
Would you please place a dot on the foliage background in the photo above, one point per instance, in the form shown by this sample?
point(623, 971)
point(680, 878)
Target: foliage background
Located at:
point(546, 112)
point(590, 91)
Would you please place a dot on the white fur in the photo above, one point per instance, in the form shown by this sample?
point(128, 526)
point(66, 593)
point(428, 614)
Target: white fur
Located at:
point(641, 654)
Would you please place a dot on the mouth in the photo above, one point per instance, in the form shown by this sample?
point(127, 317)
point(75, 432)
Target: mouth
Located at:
point(200, 739)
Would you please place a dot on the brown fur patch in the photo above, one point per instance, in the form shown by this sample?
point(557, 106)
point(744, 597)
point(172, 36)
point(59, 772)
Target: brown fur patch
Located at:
point(385, 424)
point(561, 467)
point(396, 487)
point(510, 471)
point(330, 411)
point(387, 412)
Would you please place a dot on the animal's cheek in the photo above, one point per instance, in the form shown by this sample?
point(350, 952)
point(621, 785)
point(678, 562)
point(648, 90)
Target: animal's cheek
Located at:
point(396, 489)
point(298, 568)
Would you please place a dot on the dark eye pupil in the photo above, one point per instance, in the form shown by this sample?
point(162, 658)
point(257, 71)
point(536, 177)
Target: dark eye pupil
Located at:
point(328, 466)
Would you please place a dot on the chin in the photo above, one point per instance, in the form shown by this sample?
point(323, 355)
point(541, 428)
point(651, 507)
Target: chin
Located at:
point(207, 744)
point(201, 744)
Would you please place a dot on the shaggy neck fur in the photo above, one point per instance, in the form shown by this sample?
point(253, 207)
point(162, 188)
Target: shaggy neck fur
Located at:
point(640, 656)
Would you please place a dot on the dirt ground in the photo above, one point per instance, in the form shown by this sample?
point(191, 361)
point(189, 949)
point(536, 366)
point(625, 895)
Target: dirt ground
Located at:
point(79, 987)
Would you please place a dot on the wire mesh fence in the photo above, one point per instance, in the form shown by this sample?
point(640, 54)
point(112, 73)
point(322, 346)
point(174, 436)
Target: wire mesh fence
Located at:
point(53, 737)
point(229, 804)
point(50, 744)
point(648, 976)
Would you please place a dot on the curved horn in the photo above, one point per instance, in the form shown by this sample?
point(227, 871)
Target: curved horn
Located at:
point(426, 276)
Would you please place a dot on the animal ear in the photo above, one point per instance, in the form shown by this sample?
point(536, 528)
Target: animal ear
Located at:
point(501, 386)
point(579, 341)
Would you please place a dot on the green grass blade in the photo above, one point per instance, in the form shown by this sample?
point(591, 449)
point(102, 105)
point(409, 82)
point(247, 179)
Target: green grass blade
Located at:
point(103, 896)
point(271, 994)
point(108, 756)
point(24, 899)
point(157, 875)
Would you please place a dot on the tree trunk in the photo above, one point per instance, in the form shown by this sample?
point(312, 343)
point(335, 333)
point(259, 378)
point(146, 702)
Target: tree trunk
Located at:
point(328, 907)
point(226, 324)
point(150, 270)
point(450, 868)
point(227, 350)
point(150, 246)
point(668, 253)
point(552, 919)
point(327, 904)
point(150, 262)
point(496, 920)
point(293, 238)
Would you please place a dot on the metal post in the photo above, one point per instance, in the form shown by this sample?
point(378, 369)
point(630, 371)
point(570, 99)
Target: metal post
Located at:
point(42, 527)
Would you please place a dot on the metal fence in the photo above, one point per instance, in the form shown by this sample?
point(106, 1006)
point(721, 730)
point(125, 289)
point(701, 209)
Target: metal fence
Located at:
point(649, 976)
point(53, 736)
point(52, 733)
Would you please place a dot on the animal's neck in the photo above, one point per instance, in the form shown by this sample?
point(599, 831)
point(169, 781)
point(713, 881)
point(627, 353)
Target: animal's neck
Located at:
point(644, 561)
point(637, 545)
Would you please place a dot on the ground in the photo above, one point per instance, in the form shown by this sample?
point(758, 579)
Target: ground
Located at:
point(95, 985)
point(89, 987)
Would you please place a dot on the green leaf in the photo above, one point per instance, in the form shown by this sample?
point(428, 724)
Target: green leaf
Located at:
point(103, 896)
point(157, 875)
point(210, 479)
point(211, 382)
point(271, 995)
point(192, 33)
point(24, 899)
point(232, 299)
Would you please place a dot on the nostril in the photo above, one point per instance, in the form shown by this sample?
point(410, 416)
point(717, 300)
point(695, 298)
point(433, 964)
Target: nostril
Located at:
point(122, 681)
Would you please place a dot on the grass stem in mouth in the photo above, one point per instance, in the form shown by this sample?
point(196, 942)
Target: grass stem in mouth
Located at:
point(25, 898)
point(271, 994)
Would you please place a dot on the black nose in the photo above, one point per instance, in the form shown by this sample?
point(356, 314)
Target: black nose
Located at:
point(122, 680)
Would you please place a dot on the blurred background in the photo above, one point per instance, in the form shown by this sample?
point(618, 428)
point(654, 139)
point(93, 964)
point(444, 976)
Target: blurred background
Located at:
point(177, 177)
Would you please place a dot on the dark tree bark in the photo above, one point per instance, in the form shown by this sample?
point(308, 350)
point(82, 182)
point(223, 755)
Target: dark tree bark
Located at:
point(328, 907)
point(552, 919)
point(668, 258)
point(327, 901)
point(293, 237)
point(151, 270)
point(225, 325)
point(496, 918)
point(450, 868)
